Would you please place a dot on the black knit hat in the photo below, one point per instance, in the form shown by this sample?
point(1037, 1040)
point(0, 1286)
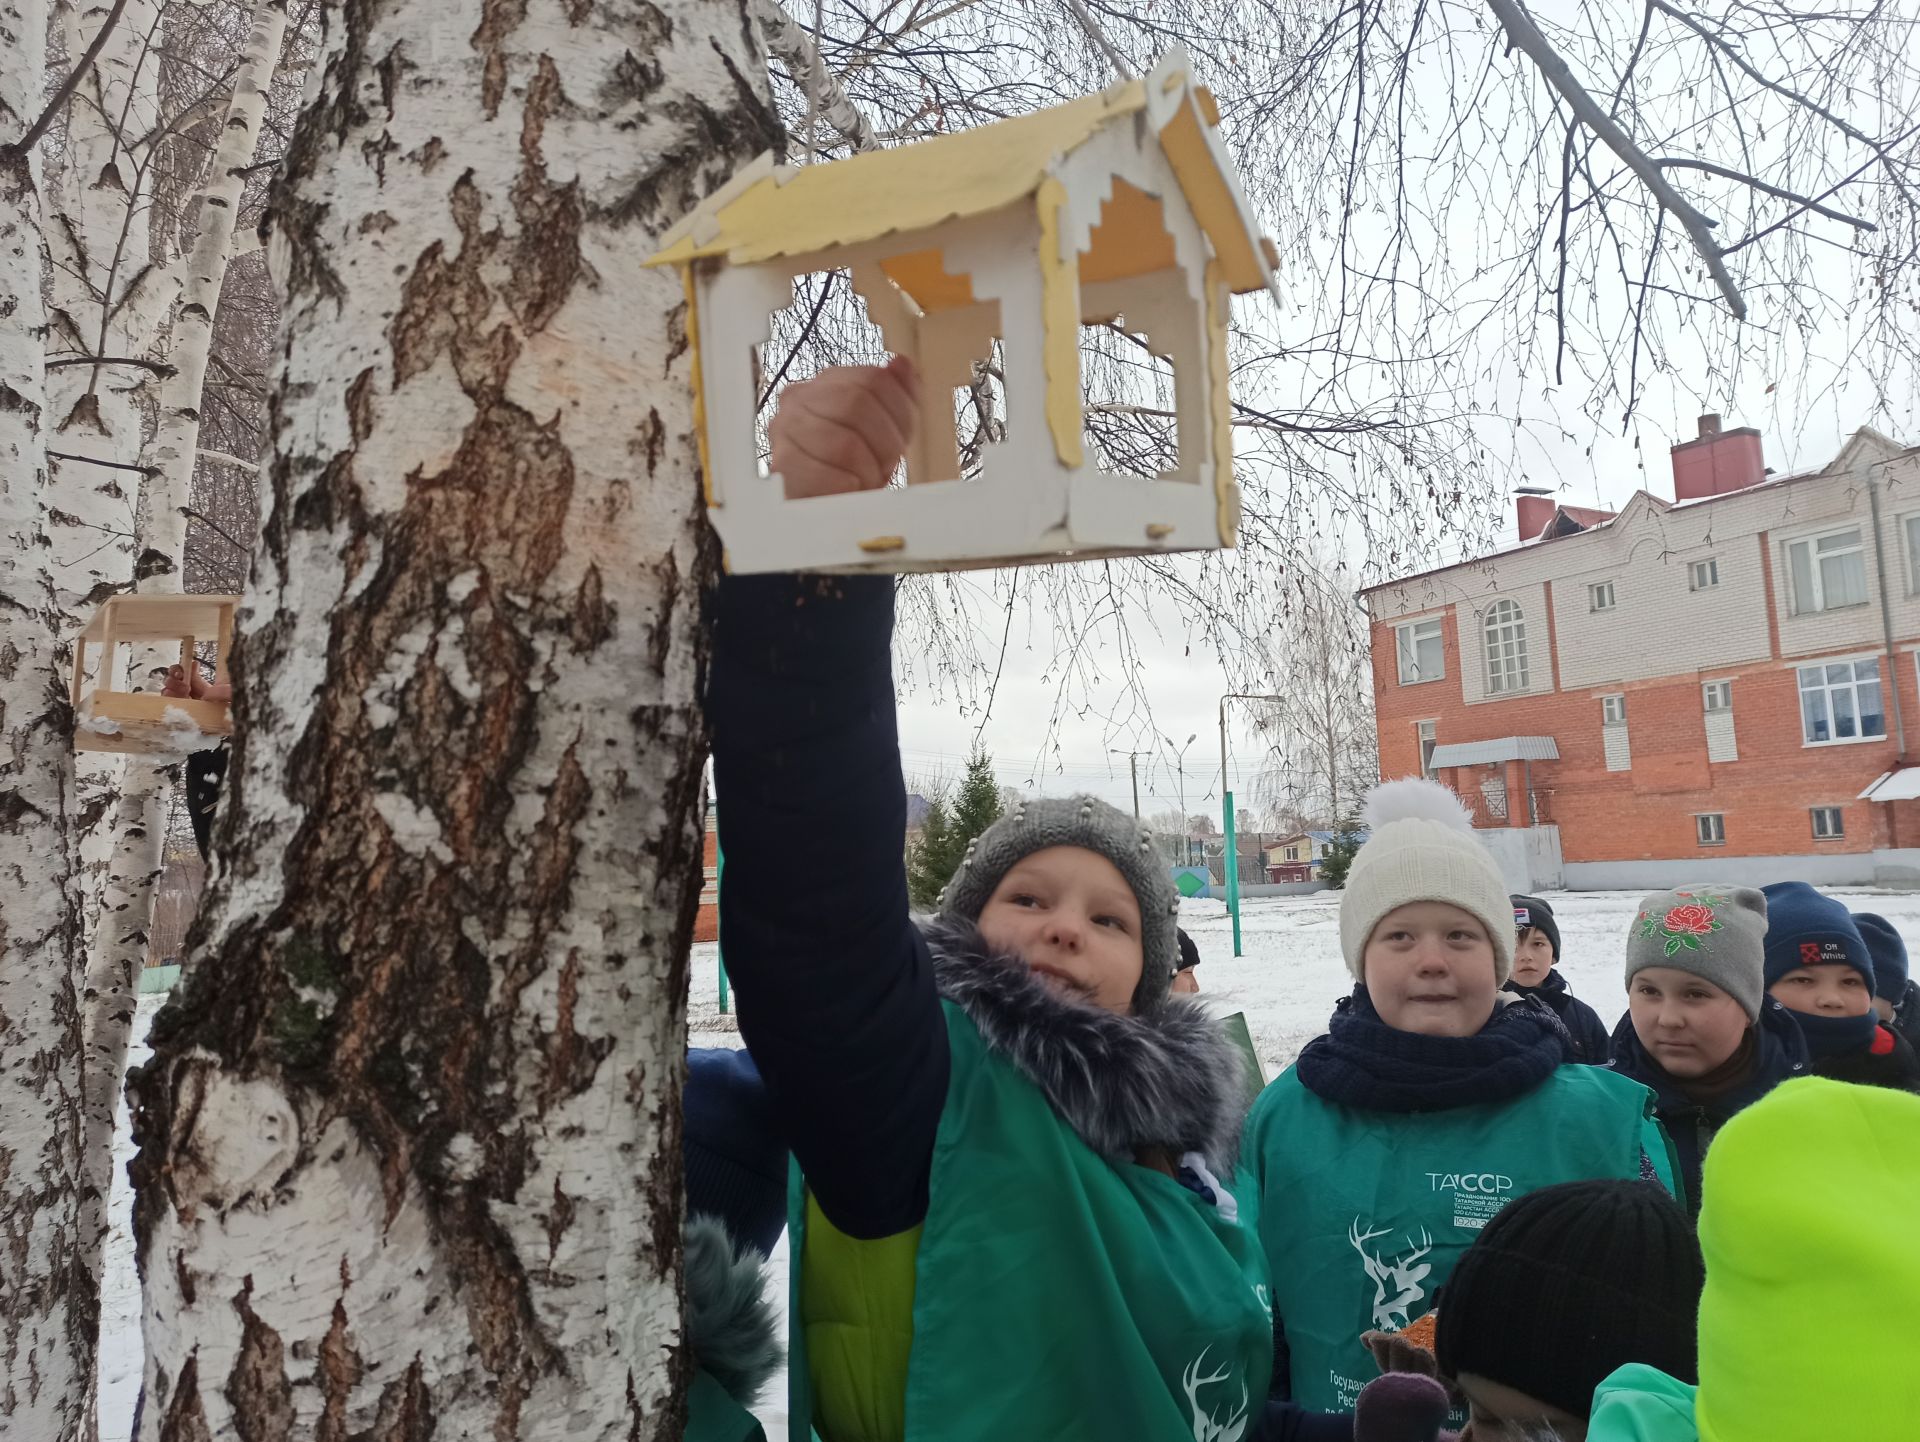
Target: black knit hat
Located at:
point(1570, 1282)
point(1189, 953)
point(1531, 911)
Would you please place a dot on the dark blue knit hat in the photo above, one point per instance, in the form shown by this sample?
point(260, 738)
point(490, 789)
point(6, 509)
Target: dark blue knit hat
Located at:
point(1889, 952)
point(736, 1158)
point(1805, 928)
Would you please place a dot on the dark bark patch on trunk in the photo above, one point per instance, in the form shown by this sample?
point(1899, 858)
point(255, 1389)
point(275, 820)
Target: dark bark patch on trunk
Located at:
point(336, 1373)
point(651, 442)
point(498, 20)
point(546, 255)
point(257, 1387)
point(405, 1413)
point(186, 1419)
point(592, 616)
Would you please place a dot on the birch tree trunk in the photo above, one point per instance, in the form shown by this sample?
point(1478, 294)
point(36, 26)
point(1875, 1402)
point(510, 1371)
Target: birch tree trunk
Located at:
point(139, 815)
point(49, 1225)
point(409, 1140)
point(108, 300)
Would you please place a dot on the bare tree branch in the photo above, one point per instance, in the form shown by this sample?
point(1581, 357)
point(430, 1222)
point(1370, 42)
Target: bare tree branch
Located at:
point(1525, 36)
point(74, 76)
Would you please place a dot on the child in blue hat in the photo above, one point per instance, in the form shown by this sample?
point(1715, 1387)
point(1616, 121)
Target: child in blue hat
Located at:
point(1820, 968)
point(1896, 997)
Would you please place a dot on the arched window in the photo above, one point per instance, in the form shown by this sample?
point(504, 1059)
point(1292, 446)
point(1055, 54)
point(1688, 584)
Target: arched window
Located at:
point(1506, 635)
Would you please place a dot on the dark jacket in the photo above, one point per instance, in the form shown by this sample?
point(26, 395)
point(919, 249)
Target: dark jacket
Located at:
point(1906, 1014)
point(1890, 1062)
point(1780, 1052)
point(838, 999)
point(1582, 1022)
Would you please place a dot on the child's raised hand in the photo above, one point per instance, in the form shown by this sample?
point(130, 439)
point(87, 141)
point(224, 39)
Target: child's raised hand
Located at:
point(845, 429)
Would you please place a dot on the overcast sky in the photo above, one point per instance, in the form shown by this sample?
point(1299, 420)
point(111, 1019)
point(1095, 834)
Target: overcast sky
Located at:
point(1184, 683)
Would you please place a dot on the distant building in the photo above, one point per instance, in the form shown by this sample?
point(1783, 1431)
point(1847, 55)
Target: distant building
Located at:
point(1719, 687)
point(1298, 857)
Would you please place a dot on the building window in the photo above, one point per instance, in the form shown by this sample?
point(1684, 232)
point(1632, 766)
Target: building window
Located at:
point(1828, 571)
point(1703, 575)
point(1710, 828)
point(1506, 635)
point(1613, 710)
point(1600, 596)
point(1428, 734)
point(1913, 555)
point(1840, 701)
point(1423, 656)
point(1829, 823)
point(1716, 696)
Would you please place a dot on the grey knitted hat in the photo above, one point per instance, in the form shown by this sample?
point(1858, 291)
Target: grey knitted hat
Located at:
point(1717, 933)
point(1092, 824)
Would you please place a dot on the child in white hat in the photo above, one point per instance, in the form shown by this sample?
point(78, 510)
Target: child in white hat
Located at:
point(1433, 1100)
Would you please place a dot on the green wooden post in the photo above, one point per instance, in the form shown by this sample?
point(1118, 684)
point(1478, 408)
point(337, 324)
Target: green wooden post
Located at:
point(1233, 869)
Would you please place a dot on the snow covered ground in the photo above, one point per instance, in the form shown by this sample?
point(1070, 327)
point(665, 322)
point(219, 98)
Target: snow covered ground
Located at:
point(1286, 982)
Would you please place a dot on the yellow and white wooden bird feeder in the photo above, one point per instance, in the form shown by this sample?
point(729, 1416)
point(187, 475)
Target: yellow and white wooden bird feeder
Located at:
point(1118, 206)
point(106, 719)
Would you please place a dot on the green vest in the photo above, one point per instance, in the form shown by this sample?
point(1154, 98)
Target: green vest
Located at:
point(1362, 1213)
point(714, 1416)
point(1054, 1294)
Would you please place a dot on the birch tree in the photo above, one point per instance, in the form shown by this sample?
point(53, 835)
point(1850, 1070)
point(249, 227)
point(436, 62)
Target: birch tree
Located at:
point(49, 1224)
point(409, 1141)
point(137, 821)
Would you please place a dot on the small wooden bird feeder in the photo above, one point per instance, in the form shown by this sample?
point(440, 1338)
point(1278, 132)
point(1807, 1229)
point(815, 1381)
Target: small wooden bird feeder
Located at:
point(139, 721)
point(1121, 206)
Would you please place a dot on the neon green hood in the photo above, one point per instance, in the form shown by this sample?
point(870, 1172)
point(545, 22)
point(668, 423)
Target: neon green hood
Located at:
point(1811, 1203)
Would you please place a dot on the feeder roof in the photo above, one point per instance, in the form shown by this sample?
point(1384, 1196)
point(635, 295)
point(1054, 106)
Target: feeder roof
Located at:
point(770, 212)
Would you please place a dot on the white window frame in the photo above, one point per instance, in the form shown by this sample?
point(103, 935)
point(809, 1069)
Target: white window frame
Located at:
point(1910, 529)
point(1600, 596)
point(1708, 567)
point(1817, 602)
point(1725, 690)
point(1406, 648)
point(1426, 736)
point(1828, 689)
point(1503, 648)
point(1837, 831)
point(1613, 710)
point(1710, 828)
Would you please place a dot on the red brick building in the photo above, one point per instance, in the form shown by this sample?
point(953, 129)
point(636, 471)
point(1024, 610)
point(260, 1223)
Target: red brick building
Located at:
point(1721, 686)
point(706, 921)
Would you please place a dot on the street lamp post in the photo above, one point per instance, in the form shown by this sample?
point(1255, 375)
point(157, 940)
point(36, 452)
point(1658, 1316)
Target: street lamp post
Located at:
point(1232, 860)
point(1180, 767)
point(1133, 769)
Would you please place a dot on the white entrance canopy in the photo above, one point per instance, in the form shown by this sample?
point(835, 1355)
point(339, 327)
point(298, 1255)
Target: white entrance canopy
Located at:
point(1901, 785)
point(1502, 748)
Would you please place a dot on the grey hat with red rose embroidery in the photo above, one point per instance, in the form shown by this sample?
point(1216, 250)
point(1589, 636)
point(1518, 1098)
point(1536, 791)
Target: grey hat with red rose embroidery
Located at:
point(1717, 933)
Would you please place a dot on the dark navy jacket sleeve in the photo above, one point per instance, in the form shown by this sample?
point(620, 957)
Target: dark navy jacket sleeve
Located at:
point(1589, 1033)
point(1290, 1422)
point(837, 1001)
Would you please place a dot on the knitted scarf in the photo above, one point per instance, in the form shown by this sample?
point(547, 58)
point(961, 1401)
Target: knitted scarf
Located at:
point(1362, 1062)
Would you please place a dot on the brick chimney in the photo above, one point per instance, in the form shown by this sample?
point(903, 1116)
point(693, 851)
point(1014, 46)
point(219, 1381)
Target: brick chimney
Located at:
point(1717, 461)
point(1533, 507)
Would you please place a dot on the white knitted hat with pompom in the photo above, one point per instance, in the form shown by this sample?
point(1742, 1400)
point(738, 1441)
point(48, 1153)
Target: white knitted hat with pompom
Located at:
point(1422, 849)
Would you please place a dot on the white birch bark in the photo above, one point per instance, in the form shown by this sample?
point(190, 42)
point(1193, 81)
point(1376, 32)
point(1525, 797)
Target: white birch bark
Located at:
point(139, 815)
point(49, 1226)
point(409, 1142)
point(788, 40)
point(108, 300)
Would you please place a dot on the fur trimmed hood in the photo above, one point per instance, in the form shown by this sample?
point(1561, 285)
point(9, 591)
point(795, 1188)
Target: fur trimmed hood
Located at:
point(1167, 1080)
point(732, 1330)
